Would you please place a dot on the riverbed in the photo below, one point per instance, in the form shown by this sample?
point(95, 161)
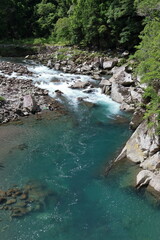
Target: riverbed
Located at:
point(68, 154)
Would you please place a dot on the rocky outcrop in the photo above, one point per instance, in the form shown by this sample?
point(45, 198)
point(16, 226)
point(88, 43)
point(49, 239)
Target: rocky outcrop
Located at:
point(143, 148)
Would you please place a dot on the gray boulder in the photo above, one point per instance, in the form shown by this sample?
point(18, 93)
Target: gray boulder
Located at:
point(80, 84)
point(29, 104)
point(107, 65)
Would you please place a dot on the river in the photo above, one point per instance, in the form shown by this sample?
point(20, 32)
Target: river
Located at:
point(68, 154)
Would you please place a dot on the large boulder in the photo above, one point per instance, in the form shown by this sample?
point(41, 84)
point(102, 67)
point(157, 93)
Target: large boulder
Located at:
point(107, 65)
point(143, 178)
point(143, 143)
point(120, 93)
point(152, 163)
point(137, 118)
point(80, 84)
point(104, 82)
point(155, 182)
point(29, 104)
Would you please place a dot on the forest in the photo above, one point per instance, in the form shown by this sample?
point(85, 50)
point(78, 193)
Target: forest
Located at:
point(132, 25)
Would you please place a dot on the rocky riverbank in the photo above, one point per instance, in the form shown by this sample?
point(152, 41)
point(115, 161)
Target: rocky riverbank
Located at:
point(114, 76)
point(124, 87)
point(20, 97)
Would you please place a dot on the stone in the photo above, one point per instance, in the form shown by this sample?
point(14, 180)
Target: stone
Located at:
point(143, 178)
point(137, 118)
point(58, 92)
point(106, 90)
point(127, 107)
point(80, 84)
point(109, 64)
point(105, 82)
point(49, 64)
point(143, 143)
point(136, 96)
point(125, 53)
point(19, 212)
point(86, 68)
point(24, 196)
point(155, 182)
point(2, 193)
point(21, 204)
point(116, 94)
point(11, 201)
point(29, 103)
point(96, 77)
point(152, 163)
point(57, 66)
point(88, 104)
point(127, 79)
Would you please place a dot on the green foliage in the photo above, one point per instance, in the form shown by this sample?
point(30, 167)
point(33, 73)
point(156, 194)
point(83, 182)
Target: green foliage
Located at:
point(62, 30)
point(91, 23)
point(148, 57)
point(2, 99)
point(148, 53)
point(147, 8)
point(46, 17)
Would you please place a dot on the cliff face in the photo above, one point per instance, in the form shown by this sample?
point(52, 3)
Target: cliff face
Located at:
point(143, 147)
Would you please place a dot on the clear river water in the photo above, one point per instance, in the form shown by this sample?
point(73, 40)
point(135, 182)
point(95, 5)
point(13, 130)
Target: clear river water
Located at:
point(68, 154)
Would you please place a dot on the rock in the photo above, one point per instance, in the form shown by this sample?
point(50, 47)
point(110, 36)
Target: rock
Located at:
point(29, 103)
point(143, 143)
point(127, 80)
point(105, 82)
point(143, 178)
point(110, 64)
point(127, 107)
point(80, 84)
point(11, 201)
point(137, 118)
point(88, 104)
point(20, 204)
point(57, 66)
point(49, 64)
point(86, 68)
point(96, 77)
point(155, 182)
point(58, 92)
point(2, 193)
point(152, 163)
point(125, 53)
point(106, 90)
point(90, 90)
point(3, 200)
point(19, 212)
point(136, 96)
point(116, 94)
point(24, 196)
point(129, 69)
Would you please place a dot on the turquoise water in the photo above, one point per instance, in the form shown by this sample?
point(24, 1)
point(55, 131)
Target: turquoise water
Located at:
point(68, 154)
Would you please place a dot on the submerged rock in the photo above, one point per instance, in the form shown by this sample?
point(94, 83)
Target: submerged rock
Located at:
point(11, 201)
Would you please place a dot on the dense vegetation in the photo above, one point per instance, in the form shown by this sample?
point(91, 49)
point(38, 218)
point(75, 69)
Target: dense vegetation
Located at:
point(92, 23)
point(148, 56)
point(97, 24)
